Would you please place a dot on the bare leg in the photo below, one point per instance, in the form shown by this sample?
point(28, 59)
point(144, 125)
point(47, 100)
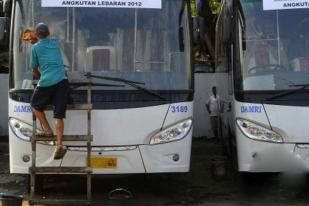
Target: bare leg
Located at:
point(59, 131)
point(42, 118)
point(60, 151)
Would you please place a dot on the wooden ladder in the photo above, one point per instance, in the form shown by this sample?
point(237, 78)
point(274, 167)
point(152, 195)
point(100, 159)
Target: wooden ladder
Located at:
point(35, 170)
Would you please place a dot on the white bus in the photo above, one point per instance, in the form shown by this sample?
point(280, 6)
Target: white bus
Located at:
point(263, 48)
point(145, 43)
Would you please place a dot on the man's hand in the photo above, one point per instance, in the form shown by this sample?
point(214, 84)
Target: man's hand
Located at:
point(30, 36)
point(208, 108)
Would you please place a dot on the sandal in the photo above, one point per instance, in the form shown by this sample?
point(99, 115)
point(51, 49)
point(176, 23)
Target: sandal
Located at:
point(45, 134)
point(59, 153)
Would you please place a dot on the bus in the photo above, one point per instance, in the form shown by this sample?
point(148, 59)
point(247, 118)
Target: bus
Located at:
point(263, 50)
point(142, 121)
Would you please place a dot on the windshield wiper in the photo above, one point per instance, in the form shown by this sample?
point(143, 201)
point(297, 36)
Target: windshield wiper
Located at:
point(116, 79)
point(302, 87)
point(128, 82)
point(80, 83)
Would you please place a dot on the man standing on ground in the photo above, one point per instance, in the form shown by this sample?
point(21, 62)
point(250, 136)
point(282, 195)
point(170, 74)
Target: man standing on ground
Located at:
point(53, 87)
point(215, 107)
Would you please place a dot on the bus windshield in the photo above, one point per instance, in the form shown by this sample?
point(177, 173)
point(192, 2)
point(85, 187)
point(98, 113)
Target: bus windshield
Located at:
point(274, 48)
point(136, 44)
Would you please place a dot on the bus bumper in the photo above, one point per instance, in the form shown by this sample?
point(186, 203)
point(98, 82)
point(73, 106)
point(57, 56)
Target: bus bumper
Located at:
point(259, 156)
point(160, 158)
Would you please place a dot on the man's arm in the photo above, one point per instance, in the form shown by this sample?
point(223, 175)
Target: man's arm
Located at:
point(34, 64)
point(208, 108)
point(36, 73)
point(221, 104)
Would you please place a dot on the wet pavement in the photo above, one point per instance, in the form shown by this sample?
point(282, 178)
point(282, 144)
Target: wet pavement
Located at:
point(198, 187)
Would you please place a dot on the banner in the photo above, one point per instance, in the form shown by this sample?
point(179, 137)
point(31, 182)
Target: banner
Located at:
point(145, 4)
point(285, 4)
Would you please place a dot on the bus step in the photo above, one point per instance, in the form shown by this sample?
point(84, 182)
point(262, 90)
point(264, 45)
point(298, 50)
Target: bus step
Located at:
point(60, 170)
point(72, 138)
point(39, 201)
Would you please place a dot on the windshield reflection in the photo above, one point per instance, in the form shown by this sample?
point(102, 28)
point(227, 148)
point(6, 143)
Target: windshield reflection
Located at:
point(137, 44)
point(277, 48)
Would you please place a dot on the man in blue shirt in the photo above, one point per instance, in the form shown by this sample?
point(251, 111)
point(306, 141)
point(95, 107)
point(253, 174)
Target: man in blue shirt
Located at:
point(53, 87)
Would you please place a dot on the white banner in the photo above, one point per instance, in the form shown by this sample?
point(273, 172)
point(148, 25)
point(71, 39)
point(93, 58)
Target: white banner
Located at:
point(285, 4)
point(149, 4)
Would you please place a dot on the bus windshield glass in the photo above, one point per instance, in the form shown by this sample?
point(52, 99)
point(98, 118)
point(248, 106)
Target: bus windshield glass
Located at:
point(135, 44)
point(274, 48)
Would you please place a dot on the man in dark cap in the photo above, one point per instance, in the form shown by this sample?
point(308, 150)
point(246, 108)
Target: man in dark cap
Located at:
point(47, 65)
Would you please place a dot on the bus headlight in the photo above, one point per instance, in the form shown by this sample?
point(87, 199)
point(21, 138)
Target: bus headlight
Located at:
point(23, 131)
point(172, 133)
point(258, 132)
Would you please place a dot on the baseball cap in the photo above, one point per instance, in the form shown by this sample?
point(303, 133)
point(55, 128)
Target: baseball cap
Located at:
point(42, 29)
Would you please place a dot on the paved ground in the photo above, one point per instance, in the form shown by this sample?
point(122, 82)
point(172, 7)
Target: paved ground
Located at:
point(199, 187)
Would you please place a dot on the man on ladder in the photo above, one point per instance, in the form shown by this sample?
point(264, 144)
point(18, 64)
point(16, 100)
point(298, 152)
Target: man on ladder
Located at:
point(53, 87)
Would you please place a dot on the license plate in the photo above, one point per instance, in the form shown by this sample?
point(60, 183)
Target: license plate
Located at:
point(103, 162)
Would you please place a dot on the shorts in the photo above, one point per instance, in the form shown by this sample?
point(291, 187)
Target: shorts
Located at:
point(57, 95)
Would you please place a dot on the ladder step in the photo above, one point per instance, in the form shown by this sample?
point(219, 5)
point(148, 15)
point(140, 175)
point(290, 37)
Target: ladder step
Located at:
point(38, 201)
point(60, 170)
point(72, 138)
